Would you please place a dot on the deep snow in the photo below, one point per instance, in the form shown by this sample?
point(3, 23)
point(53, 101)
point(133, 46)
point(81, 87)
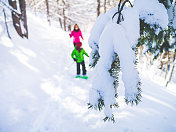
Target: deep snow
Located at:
point(38, 91)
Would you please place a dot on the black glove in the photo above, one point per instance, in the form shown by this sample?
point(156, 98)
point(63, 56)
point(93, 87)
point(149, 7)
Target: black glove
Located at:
point(74, 59)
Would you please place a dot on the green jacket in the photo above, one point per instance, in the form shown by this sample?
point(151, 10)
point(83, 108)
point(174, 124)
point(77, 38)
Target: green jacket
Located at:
point(79, 56)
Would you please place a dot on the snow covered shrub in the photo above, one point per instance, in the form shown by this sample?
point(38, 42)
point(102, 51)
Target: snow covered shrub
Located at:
point(113, 40)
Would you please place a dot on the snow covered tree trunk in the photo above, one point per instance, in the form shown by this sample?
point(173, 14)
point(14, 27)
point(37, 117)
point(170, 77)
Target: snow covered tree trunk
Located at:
point(23, 17)
point(16, 17)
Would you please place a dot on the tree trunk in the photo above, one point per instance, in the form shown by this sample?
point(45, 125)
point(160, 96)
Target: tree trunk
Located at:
point(34, 7)
point(15, 17)
point(160, 60)
point(5, 19)
point(47, 11)
point(140, 53)
point(23, 17)
point(69, 27)
point(104, 6)
point(109, 3)
point(60, 21)
point(64, 15)
point(166, 70)
point(98, 8)
point(64, 19)
point(172, 70)
point(58, 12)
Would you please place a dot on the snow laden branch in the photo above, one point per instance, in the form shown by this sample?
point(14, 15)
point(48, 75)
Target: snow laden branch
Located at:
point(153, 24)
point(113, 40)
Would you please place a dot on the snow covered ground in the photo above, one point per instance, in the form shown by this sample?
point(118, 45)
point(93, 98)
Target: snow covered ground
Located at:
point(38, 91)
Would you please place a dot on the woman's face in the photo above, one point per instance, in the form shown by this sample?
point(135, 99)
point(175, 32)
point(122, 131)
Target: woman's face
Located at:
point(76, 27)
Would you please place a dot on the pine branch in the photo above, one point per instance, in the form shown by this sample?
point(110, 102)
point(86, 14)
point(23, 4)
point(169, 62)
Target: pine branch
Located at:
point(109, 119)
point(138, 96)
point(114, 72)
point(95, 57)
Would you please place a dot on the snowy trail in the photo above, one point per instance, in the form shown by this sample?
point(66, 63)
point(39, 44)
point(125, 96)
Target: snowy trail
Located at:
point(40, 94)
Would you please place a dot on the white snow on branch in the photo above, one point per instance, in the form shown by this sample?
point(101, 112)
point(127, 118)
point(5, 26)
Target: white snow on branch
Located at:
point(152, 12)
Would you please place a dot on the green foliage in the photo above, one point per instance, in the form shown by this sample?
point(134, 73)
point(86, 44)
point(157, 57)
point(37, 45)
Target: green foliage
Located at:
point(100, 105)
point(165, 2)
point(114, 72)
point(138, 86)
point(109, 119)
point(138, 96)
point(95, 57)
point(156, 42)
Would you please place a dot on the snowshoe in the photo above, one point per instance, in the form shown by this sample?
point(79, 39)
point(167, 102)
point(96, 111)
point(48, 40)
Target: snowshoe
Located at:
point(78, 76)
point(84, 77)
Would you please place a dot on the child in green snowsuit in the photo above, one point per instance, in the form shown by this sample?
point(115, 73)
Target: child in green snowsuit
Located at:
point(78, 56)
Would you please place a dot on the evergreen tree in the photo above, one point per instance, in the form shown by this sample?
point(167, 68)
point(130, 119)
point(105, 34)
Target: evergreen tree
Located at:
point(160, 41)
point(103, 99)
point(100, 96)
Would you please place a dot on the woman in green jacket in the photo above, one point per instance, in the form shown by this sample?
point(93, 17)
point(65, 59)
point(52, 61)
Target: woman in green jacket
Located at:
point(78, 56)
